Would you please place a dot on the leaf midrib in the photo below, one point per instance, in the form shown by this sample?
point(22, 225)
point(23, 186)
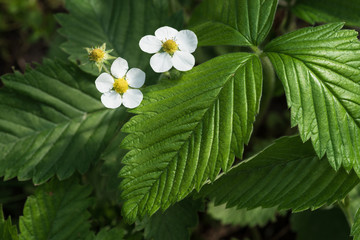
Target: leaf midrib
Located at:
point(271, 165)
point(55, 125)
point(232, 75)
point(322, 83)
point(58, 209)
point(229, 26)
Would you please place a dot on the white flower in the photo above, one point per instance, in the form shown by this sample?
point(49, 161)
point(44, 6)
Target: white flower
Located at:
point(116, 89)
point(171, 48)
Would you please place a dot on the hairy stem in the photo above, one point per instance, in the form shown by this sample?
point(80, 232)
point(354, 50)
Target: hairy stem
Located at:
point(106, 69)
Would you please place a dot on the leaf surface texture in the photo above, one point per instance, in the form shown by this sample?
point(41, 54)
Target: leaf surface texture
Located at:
point(233, 22)
point(52, 122)
point(287, 174)
point(184, 134)
point(320, 71)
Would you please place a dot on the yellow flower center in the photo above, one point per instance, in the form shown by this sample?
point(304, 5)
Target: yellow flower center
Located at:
point(170, 46)
point(96, 55)
point(121, 85)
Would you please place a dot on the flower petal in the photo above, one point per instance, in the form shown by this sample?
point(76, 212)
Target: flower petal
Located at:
point(183, 61)
point(150, 44)
point(111, 99)
point(132, 98)
point(161, 62)
point(135, 77)
point(104, 82)
point(187, 41)
point(119, 67)
point(165, 33)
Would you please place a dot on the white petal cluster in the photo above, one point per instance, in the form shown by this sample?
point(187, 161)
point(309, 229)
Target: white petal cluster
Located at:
point(108, 85)
point(171, 48)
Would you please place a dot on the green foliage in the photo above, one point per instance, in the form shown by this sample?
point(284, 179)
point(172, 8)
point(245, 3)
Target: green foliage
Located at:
point(184, 134)
point(233, 22)
point(29, 16)
point(320, 70)
point(112, 234)
point(118, 23)
point(190, 126)
point(7, 230)
point(57, 211)
point(254, 217)
point(320, 225)
point(52, 122)
point(287, 174)
point(328, 11)
point(355, 229)
point(351, 206)
point(174, 223)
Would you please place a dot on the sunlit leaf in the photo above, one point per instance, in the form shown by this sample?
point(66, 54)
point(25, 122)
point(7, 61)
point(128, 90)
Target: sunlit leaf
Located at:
point(287, 174)
point(233, 22)
point(118, 23)
point(186, 133)
point(52, 122)
point(320, 70)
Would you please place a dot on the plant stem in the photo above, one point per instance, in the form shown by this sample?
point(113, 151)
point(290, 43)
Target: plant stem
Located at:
point(345, 207)
point(268, 89)
point(256, 50)
point(106, 69)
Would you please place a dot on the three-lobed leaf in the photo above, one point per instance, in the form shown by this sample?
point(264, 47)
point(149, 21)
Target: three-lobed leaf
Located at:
point(320, 70)
point(184, 134)
point(287, 174)
point(57, 211)
point(52, 122)
point(233, 22)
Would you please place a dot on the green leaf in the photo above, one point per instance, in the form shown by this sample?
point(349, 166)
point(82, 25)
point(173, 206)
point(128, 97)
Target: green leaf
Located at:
point(328, 11)
point(351, 206)
point(254, 217)
point(233, 22)
point(186, 133)
point(174, 223)
point(7, 230)
point(57, 211)
point(320, 225)
point(352, 202)
point(118, 23)
point(320, 70)
point(355, 228)
point(112, 234)
point(287, 174)
point(52, 122)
